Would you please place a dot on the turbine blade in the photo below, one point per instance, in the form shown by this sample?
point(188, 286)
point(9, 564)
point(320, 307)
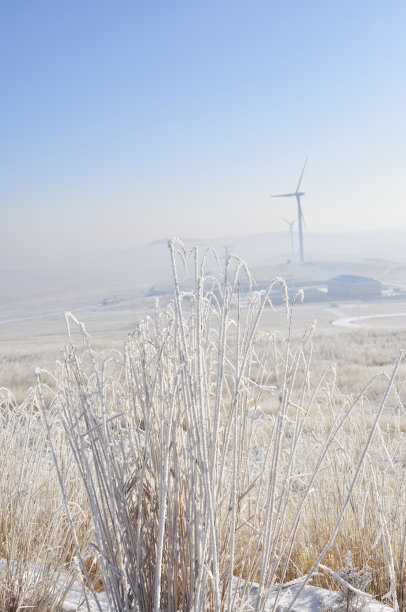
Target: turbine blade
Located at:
point(283, 195)
point(300, 180)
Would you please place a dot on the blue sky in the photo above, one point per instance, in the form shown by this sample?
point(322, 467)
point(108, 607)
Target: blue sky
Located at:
point(125, 122)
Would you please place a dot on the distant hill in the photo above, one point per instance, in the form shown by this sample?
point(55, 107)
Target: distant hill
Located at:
point(267, 248)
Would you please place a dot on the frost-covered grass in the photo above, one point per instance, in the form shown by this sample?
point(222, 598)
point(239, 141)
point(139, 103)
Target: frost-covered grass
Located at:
point(33, 524)
point(213, 463)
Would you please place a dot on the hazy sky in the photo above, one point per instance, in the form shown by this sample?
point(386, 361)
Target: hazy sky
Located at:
point(125, 122)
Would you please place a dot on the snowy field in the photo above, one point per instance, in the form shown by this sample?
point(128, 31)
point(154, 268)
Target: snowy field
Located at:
point(311, 599)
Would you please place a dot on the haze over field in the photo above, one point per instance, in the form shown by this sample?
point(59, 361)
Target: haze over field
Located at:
point(374, 252)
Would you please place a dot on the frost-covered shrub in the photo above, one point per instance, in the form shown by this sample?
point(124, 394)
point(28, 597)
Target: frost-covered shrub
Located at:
point(207, 452)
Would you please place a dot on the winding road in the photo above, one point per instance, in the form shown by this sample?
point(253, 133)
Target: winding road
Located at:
point(354, 321)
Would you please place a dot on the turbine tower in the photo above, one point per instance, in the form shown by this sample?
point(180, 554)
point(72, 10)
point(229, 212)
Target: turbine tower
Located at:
point(292, 246)
point(297, 194)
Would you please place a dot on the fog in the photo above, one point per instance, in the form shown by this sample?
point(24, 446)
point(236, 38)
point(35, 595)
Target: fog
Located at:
point(72, 273)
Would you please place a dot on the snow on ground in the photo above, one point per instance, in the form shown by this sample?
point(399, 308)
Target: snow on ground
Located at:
point(312, 599)
point(76, 601)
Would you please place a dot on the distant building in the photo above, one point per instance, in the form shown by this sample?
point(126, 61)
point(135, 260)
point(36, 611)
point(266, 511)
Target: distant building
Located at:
point(351, 286)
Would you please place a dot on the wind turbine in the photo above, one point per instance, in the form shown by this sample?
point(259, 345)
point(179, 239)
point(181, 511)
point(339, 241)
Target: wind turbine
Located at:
point(297, 194)
point(291, 224)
